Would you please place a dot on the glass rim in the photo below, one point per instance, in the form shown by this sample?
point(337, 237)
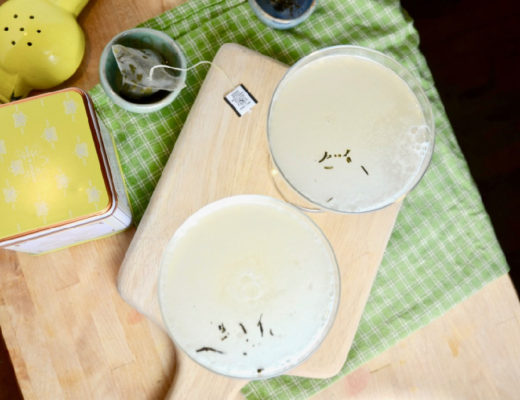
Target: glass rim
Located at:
point(396, 67)
point(252, 199)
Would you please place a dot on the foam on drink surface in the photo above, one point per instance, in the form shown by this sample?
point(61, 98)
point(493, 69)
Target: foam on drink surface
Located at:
point(249, 287)
point(348, 133)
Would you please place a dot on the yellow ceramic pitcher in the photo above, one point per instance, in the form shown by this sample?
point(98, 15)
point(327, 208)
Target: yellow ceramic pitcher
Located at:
point(41, 45)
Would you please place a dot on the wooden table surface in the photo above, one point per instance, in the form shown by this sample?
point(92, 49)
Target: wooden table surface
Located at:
point(471, 352)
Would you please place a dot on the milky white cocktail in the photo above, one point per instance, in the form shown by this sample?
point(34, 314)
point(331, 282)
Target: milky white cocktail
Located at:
point(350, 129)
point(248, 287)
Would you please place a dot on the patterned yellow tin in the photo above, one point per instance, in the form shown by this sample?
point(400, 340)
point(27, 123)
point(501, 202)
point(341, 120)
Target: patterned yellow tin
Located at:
point(60, 183)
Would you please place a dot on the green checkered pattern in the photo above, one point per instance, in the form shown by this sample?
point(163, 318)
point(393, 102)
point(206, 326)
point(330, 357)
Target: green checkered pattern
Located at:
point(443, 247)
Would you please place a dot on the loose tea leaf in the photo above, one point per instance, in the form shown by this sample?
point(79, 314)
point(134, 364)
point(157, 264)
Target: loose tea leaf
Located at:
point(206, 348)
point(259, 324)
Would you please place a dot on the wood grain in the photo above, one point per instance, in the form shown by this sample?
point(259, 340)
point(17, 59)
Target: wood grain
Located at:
point(69, 333)
point(472, 352)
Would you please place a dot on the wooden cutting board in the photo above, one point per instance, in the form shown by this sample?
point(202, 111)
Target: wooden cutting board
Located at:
point(219, 154)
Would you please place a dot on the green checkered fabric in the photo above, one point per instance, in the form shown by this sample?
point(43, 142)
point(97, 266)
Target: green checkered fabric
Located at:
point(443, 247)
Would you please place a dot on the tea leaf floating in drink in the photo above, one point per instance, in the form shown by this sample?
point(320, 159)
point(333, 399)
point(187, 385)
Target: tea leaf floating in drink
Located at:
point(326, 156)
point(259, 324)
point(206, 348)
point(347, 158)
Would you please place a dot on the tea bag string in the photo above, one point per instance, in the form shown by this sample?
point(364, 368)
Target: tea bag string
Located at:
point(189, 68)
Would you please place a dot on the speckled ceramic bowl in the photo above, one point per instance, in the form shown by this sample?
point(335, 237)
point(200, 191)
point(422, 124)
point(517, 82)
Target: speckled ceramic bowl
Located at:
point(141, 38)
point(282, 14)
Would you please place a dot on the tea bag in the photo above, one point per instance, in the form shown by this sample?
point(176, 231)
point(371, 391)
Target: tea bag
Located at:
point(137, 79)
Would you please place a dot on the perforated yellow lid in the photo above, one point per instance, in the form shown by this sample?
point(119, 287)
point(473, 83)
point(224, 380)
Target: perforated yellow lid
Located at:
point(50, 168)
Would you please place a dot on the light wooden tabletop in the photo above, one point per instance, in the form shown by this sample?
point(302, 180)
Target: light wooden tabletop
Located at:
point(57, 311)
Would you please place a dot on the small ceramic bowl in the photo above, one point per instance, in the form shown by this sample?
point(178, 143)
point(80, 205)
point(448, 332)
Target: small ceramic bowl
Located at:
point(141, 38)
point(282, 14)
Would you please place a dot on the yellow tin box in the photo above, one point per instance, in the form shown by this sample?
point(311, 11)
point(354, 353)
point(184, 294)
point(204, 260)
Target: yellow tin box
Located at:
point(60, 183)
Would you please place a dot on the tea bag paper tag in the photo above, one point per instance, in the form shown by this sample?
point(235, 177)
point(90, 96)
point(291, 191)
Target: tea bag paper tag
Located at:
point(240, 100)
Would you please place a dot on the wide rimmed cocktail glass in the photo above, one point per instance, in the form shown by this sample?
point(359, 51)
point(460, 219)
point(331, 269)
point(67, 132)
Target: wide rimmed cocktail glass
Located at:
point(318, 146)
point(249, 287)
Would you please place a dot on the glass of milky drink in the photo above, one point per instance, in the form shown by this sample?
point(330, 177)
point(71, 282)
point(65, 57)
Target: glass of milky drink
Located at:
point(350, 130)
point(248, 286)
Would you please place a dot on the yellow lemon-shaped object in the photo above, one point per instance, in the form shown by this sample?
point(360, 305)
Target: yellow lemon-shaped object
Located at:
point(41, 45)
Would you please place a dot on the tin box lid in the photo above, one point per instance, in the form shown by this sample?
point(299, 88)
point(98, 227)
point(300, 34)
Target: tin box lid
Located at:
point(51, 164)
